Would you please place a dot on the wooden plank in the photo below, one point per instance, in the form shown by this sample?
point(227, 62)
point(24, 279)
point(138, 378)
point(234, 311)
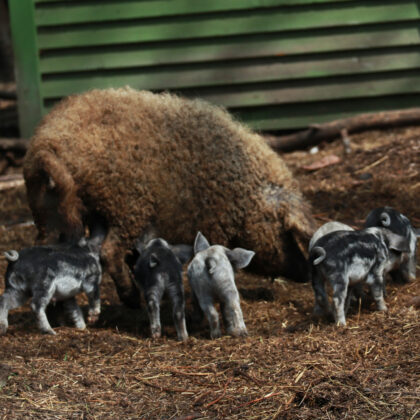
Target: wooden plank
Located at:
point(247, 47)
point(28, 77)
point(223, 25)
point(98, 11)
point(335, 88)
point(235, 73)
point(299, 116)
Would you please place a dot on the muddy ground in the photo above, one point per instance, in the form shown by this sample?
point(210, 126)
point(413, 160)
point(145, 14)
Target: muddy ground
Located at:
point(289, 367)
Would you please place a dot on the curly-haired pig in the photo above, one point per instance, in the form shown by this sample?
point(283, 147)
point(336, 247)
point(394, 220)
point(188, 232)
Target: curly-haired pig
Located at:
point(159, 269)
point(211, 278)
point(405, 267)
point(54, 273)
point(178, 166)
point(346, 258)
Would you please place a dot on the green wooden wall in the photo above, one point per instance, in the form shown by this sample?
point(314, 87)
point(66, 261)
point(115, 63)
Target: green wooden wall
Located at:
point(275, 64)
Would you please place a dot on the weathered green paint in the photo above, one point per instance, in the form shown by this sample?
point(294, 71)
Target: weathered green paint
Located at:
point(251, 47)
point(28, 78)
point(235, 73)
point(201, 26)
point(276, 64)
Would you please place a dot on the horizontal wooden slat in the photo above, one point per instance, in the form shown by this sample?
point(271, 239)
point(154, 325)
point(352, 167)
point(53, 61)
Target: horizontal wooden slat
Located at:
point(292, 92)
point(99, 11)
point(299, 116)
point(248, 47)
point(235, 73)
point(269, 21)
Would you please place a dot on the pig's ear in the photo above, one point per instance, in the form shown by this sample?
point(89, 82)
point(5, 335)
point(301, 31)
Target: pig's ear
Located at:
point(211, 265)
point(385, 219)
point(200, 243)
point(239, 257)
point(398, 242)
point(153, 260)
point(183, 252)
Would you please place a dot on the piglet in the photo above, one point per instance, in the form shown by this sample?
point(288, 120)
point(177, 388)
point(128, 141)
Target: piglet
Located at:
point(211, 278)
point(159, 268)
point(405, 267)
point(346, 258)
point(54, 273)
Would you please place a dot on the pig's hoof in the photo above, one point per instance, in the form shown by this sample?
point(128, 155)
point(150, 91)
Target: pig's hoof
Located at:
point(3, 329)
point(92, 319)
point(216, 334)
point(238, 333)
point(49, 331)
point(156, 335)
point(183, 338)
point(81, 327)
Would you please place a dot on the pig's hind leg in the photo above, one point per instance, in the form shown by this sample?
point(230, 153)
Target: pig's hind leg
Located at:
point(153, 297)
point(11, 299)
point(339, 285)
point(38, 305)
point(176, 294)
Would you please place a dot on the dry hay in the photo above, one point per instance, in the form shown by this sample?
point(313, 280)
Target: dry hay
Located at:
point(288, 368)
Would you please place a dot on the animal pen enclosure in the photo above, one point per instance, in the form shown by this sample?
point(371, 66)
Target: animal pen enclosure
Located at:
point(277, 65)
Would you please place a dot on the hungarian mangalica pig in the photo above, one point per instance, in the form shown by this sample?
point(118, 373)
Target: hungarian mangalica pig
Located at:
point(159, 162)
point(53, 273)
point(345, 258)
point(211, 278)
point(405, 267)
point(159, 269)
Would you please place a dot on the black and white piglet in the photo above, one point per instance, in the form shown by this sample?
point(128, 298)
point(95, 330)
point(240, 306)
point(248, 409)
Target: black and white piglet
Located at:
point(211, 278)
point(159, 269)
point(405, 267)
point(54, 273)
point(346, 258)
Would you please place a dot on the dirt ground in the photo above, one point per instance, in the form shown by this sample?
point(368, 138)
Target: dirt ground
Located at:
point(288, 368)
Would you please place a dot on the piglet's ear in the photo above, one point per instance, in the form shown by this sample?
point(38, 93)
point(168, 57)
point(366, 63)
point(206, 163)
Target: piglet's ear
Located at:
point(153, 261)
point(398, 242)
point(200, 243)
point(183, 252)
point(211, 265)
point(239, 257)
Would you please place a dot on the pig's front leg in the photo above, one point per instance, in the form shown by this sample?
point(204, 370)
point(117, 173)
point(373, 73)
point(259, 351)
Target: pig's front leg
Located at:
point(232, 315)
point(74, 312)
point(377, 289)
point(94, 304)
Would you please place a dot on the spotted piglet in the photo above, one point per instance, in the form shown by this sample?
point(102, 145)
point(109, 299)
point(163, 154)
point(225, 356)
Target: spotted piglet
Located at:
point(159, 269)
point(346, 258)
point(404, 269)
point(211, 278)
point(54, 273)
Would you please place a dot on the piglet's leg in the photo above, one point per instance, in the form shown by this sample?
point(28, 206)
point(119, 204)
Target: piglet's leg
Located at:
point(94, 304)
point(11, 299)
point(75, 313)
point(232, 315)
point(176, 294)
point(212, 316)
point(322, 306)
point(38, 305)
point(113, 254)
point(339, 286)
point(377, 289)
point(153, 297)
